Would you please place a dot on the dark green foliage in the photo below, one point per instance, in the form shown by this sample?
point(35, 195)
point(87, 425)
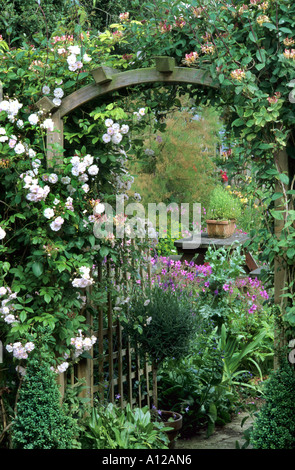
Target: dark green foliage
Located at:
point(41, 421)
point(274, 427)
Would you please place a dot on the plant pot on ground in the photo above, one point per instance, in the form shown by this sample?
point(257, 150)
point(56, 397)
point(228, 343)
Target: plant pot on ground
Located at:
point(224, 210)
point(173, 422)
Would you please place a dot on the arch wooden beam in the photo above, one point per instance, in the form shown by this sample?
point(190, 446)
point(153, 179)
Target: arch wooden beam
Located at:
point(108, 80)
point(133, 77)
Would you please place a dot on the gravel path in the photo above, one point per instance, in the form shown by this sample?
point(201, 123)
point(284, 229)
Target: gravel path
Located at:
point(223, 438)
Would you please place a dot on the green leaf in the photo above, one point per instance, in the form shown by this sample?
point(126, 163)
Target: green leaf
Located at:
point(37, 268)
point(284, 178)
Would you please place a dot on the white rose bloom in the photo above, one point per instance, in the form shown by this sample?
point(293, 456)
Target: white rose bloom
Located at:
point(116, 127)
point(93, 170)
point(10, 318)
point(33, 119)
point(3, 289)
point(2, 131)
point(110, 130)
point(48, 213)
point(46, 90)
point(73, 67)
point(19, 148)
point(56, 101)
point(32, 153)
point(141, 111)
point(53, 178)
point(58, 93)
point(66, 180)
point(106, 138)
point(109, 122)
point(124, 129)
point(3, 138)
point(116, 138)
point(85, 188)
point(71, 60)
point(98, 208)
point(74, 50)
point(86, 58)
point(48, 124)
point(20, 123)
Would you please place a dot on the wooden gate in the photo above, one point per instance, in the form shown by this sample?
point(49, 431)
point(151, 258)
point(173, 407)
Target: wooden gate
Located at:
point(116, 372)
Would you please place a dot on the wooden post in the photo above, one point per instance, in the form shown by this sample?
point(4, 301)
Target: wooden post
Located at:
point(55, 142)
point(110, 336)
point(280, 269)
point(100, 344)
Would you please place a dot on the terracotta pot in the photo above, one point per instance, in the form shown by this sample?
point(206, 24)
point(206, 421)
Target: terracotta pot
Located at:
point(220, 228)
point(176, 424)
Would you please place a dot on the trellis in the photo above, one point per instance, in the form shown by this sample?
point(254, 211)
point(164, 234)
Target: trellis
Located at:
point(106, 81)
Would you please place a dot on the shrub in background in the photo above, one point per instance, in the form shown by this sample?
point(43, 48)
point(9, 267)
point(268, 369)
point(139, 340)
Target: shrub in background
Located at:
point(274, 427)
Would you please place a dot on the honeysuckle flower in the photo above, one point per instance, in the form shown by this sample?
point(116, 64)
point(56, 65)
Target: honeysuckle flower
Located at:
point(238, 74)
point(263, 19)
point(190, 58)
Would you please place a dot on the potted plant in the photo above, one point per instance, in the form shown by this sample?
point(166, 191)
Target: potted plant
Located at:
point(224, 210)
point(162, 322)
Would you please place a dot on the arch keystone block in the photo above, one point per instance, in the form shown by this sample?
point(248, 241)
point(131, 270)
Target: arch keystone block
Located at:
point(45, 105)
point(165, 64)
point(103, 74)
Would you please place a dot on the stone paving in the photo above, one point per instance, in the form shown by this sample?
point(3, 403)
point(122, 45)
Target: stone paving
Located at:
point(223, 438)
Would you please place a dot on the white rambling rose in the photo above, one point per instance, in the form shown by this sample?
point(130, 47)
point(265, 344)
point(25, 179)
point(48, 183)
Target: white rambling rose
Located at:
point(106, 138)
point(58, 93)
point(2, 233)
point(116, 138)
point(56, 101)
point(46, 90)
point(98, 208)
point(48, 213)
point(19, 148)
point(93, 170)
point(33, 119)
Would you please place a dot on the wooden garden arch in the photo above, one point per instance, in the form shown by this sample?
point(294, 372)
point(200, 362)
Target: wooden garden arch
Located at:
point(108, 80)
